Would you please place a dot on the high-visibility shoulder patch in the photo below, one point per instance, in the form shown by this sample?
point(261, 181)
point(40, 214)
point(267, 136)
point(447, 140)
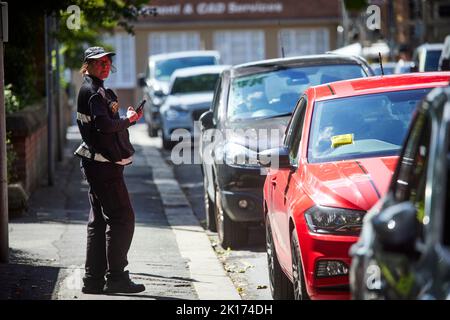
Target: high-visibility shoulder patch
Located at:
point(340, 140)
point(102, 92)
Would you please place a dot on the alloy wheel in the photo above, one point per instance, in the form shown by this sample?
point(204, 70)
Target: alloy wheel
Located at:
point(209, 209)
point(219, 215)
point(297, 270)
point(270, 253)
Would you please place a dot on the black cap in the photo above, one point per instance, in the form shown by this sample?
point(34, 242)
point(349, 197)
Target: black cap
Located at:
point(96, 53)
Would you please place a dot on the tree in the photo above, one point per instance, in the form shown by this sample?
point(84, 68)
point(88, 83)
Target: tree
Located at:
point(25, 53)
point(356, 5)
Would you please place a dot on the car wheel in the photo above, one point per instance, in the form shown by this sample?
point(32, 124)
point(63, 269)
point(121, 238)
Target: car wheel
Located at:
point(298, 278)
point(209, 209)
point(231, 234)
point(152, 132)
point(280, 286)
point(166, 142)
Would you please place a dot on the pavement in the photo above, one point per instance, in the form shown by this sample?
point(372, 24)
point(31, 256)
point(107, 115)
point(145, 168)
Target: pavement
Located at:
point(170, 254)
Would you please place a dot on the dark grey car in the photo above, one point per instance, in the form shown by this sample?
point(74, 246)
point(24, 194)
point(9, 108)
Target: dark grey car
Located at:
point(252, 105)
point(404, 248)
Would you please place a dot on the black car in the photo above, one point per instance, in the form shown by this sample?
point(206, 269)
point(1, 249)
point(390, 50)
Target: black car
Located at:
point(404, 248)
point(252, 104)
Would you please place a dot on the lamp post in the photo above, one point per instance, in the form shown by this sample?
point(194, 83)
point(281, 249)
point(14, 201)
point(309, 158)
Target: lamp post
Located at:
point(4, 237)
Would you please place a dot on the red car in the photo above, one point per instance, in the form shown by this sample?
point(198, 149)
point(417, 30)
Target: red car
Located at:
point(340, 149)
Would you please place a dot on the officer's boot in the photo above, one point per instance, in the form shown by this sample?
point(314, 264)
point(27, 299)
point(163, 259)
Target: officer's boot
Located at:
point(93, 286)
point(122, 285)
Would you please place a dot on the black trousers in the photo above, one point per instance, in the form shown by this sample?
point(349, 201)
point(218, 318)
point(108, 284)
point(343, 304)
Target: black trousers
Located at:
point(111, 221)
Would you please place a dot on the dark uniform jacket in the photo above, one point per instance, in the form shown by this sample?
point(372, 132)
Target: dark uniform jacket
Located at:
point(104, 132)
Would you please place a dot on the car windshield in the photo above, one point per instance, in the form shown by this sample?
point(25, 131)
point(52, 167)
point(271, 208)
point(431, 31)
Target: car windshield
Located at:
point(361, 127)
point(165, 68)
point(275, 93)
point(432, 60)
point(198, 83)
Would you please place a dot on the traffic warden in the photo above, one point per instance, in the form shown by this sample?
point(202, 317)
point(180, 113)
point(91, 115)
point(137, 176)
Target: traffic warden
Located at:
point(104, 152)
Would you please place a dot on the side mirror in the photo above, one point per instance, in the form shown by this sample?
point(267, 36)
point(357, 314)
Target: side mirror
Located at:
point(206, 119)
point(277, 158)
point(396, 227)
point(141, 80)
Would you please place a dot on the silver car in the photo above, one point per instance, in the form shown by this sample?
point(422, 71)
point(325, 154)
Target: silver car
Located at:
point(155, 81)
point(191, 93)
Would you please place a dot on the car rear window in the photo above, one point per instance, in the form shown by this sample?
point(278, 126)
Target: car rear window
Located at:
point(362, 126)
point(165, 68)
point(198, 83)
point(432, 60)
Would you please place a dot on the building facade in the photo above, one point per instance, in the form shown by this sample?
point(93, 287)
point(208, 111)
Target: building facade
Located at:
point(241, 30)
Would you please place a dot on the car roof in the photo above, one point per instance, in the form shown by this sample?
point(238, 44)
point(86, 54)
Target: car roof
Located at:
point(306, 60)
point(193, 71)
point(378, 84)
point(184, 54)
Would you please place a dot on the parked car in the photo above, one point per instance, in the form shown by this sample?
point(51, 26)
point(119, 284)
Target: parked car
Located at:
point(426, 57)
point(444, 61)
point(337, 159)
point(256, 97)
point(404, 248)
point(190, 95)
point(155, 81)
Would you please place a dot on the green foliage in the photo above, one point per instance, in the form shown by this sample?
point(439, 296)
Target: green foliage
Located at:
point(97, 18)
point(356, 5)
point(12, 103)
point(25, 51)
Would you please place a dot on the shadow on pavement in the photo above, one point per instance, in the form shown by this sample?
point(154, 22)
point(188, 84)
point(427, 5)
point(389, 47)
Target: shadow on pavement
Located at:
point(24, 279)
point(161, 277)
point(143, 296)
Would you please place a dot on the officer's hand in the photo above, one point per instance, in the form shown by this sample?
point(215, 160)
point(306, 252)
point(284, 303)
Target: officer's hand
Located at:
point(132, 115)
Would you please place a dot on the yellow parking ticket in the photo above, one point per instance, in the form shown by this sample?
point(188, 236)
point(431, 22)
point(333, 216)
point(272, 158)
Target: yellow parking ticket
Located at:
point(340, 140)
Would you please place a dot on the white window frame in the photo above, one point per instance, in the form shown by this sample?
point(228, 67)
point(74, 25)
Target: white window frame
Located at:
point(125, 61)
point(162, 42)
point(303, 41)
point(240, 46)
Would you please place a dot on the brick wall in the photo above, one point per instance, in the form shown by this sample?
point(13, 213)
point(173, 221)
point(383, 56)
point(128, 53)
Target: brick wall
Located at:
point(28, 133)
point(35, 148)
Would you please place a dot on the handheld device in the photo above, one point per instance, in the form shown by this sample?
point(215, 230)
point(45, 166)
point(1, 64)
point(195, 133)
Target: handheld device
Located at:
point(141, 105)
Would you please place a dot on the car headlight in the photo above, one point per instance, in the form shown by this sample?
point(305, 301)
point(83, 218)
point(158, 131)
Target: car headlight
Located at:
point(238, 155)
point(334, 220)
point(175, 112)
